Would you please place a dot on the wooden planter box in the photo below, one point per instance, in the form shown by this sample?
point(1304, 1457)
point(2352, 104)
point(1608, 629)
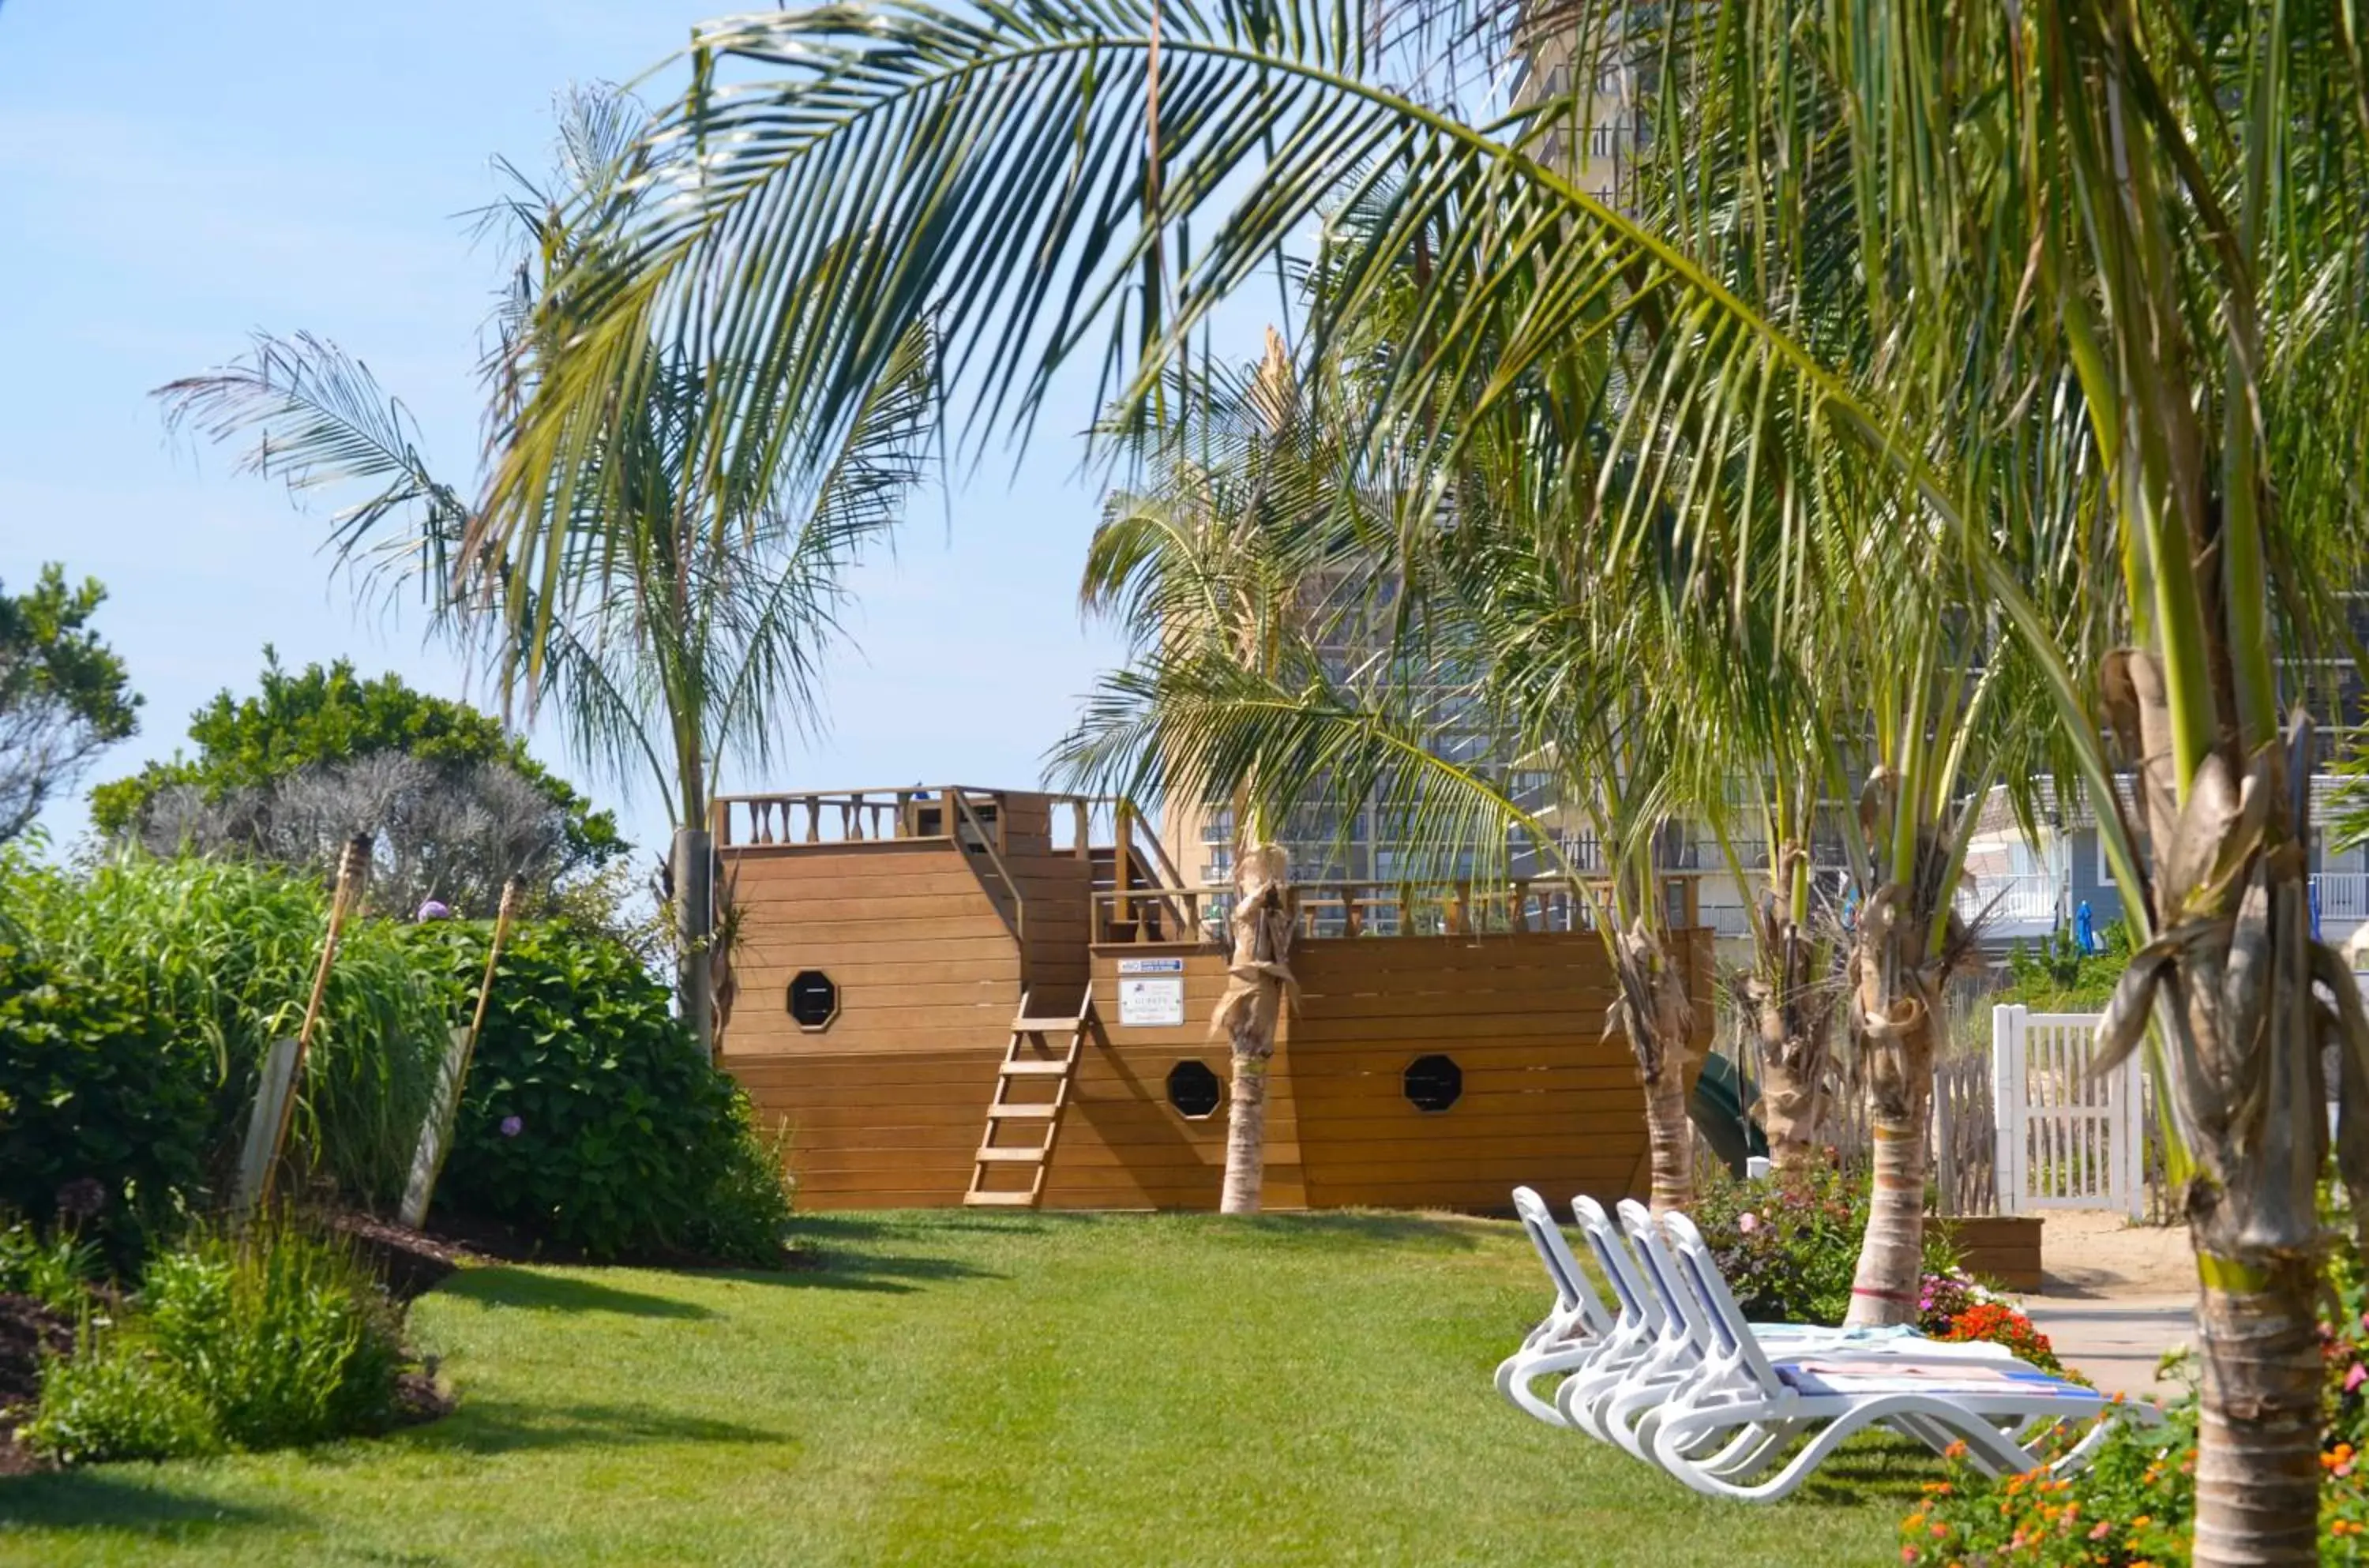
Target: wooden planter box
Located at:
point(2004, 1247)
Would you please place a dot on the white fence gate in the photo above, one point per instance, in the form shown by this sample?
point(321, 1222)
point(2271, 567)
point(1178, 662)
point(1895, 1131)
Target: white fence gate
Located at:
point(2067, 1138)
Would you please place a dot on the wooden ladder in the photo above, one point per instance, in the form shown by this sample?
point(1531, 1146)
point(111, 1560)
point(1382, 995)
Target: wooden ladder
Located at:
point(1022, 1065)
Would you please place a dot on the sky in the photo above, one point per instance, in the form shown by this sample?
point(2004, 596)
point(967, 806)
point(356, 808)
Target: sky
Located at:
point(173, 178)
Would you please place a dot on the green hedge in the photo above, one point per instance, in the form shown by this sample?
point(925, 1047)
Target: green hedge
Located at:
point(102, 1107)
point(222, 955)
point(590, 1115)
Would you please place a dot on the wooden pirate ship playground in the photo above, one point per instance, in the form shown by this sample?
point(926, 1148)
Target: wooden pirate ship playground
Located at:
point(955, 994)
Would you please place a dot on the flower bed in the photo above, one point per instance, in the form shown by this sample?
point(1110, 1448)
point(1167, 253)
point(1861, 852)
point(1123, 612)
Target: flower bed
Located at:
point(2134, 1504)
point(1953, 1306)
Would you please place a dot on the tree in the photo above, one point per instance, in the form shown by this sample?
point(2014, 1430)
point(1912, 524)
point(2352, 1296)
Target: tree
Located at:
point(677, 618)
point(2105, 256)
point(1291, 648)
point(64, 696)
point(1195, 563)
point(285, 775)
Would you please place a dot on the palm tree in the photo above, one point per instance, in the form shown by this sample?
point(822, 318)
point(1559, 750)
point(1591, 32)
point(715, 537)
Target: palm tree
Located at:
point(1206, 559)
point(1480, 632)
point(2115, 240)
point(679, 620)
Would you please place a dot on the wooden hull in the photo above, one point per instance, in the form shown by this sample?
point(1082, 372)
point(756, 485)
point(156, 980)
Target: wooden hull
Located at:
point(885, 1108)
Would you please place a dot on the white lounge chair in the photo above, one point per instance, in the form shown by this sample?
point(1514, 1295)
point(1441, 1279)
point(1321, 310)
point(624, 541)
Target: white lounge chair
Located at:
point(1725, 1429)
point(1625, 1414)
point(1574, 1331)
point(1644, 1339)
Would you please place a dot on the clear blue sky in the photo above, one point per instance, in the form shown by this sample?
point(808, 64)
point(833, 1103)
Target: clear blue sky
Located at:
point(174, 176)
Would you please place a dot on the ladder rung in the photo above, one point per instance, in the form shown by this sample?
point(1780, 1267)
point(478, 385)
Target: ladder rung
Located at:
point(1044, 1025)
point(991, 1156)
point(1038, 1113)
point(1006, 1200)
point(1035, 1068)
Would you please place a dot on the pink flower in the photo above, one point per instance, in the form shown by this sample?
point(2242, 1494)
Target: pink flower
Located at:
point(2357, 1376)
point(2101, 1530)
point(1748, 1223)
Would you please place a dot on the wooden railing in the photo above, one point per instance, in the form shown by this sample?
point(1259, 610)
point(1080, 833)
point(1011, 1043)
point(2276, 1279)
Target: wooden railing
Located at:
point(1175, 912)
point(988, 842)
point(847, 816)
point(980, 820)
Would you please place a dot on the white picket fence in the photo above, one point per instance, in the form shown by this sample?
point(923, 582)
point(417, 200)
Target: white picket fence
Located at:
point(2067, 1138)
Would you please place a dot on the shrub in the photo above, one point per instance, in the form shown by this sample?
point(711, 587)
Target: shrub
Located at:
point(1788, 1244)
point(2056, 976)
point(591, 1114)
point(57, 1273)
point(114, 1401)
point(223, 953)
point(104, 1114)
point(271, 1339)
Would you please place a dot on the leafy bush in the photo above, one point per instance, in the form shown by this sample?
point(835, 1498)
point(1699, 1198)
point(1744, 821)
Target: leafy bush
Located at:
point(223, 953)
point(104, 1114)
point(1789, 1243)
point(271, 1339)
point(2056, 976)
point(591, 1114)
point(115, 1404)
point(57, 1273)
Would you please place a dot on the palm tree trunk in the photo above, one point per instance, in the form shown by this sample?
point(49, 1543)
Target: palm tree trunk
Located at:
point(1265, 917)
point(2227, 982)
point(1791, 1006)
point(2252, 1212)
point(1655, 1013)
point(1670, 1139)
point(1895, 1005)
point(1792, 1104)
point(693, 866)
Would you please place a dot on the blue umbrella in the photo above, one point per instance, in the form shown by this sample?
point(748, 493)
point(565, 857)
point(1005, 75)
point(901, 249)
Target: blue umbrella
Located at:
point(2085, 930)
point(2314, 885)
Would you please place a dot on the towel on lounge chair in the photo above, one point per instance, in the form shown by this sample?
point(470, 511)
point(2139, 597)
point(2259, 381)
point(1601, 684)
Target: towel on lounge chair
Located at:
point(1902, 1376)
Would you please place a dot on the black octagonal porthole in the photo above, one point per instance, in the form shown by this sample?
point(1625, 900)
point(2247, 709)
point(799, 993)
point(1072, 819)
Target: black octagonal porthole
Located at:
point(1433, 1082)
point(1194, 1090)
point(814, 998)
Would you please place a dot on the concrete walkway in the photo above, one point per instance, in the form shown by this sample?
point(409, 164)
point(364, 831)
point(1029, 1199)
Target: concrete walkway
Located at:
point(2116, 1341)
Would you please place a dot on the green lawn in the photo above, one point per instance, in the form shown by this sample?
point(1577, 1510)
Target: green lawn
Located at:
point(960, 1389)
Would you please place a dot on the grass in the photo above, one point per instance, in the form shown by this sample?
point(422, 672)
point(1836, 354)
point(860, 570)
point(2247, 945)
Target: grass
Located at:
point(965, 1388)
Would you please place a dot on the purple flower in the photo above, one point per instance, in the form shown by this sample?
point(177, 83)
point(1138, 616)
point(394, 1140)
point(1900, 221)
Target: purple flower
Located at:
point(435, 909)
point(512, 1127)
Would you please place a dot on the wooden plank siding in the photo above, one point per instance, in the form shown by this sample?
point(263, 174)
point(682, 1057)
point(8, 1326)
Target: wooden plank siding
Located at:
point(1546, 1100)
point(886, 1108)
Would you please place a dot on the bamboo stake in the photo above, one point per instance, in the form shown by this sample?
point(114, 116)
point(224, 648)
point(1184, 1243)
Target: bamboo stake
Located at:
point(354, 867)
point(436, 1133)
point(513, 894)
